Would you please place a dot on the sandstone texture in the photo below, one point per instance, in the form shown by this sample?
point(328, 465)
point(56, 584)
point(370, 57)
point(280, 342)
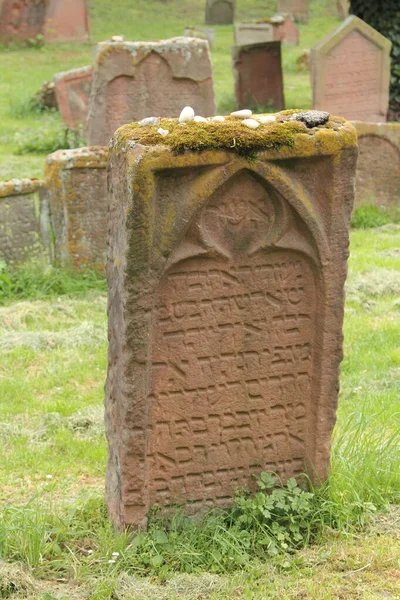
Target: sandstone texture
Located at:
point(134, 80)
point(73, 93)
point(350, 71)
point(378, 166)
point(24, 224)
point(258, 75)
point(76, 184)
point(226, 281)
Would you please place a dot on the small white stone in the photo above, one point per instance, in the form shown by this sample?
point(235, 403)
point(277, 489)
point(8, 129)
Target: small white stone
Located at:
point(117, 38)
point(266, 118)
point(90, 552)
point(49, 476)
point(242, 114)
point(115, 554)
point(186, 115)
point(111, 562)
point(252, 123)
point(149, 121)
point(163, 132)
point(200, 119)
point(218, 119)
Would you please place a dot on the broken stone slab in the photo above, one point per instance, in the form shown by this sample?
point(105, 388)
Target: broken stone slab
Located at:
point(73, 93)
point(226, 300)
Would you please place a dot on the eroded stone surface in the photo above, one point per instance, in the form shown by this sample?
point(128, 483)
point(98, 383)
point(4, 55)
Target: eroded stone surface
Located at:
point(297, 8)
point(76, 185)
point(225, 316)
point(378, 165)
point(55, 20)
point(24, 226)
point(134, 80)
point(258, 76)
point(350, 72)
point(73, 93)
point(220, 12)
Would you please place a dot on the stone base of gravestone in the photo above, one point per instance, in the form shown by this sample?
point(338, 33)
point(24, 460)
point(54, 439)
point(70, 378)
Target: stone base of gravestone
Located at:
point(24, 222)
point(350, 71)
point(55, 20)
point(73, 93)
point(297, 8)
point(225, 312)
point(258, 76)
point(220, 12)
point(76, 183)
point(378, 165)
point(135, 80)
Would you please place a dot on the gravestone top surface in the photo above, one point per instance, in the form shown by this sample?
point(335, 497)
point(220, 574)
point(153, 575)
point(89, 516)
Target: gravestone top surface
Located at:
point(73, 73)
point(350, 70)
point(17, 187)
point(89, 156)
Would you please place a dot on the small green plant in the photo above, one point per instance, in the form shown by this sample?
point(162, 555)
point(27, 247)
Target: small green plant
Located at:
point(369, 215)
point(52, 135)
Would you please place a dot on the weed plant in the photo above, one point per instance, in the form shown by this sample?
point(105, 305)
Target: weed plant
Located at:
point(52, 136)
point(369, 215)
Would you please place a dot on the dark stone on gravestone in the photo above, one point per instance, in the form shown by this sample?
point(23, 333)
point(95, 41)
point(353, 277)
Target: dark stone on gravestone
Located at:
point(312, 118)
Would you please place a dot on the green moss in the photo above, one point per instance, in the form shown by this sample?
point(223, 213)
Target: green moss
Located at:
point(230, 135)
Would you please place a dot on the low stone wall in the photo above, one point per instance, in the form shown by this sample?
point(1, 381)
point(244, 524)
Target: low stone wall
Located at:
point(24, 222)
point(378, 167)
point(76, 186)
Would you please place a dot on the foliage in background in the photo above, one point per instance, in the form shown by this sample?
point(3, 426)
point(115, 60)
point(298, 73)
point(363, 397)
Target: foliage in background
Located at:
point(51, 136)
point(384, 16)
point(369, 215)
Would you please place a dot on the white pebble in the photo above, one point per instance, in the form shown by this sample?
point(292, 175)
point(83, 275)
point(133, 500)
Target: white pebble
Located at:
point(186, 115)
point(111, 562)
point(149, 121)
point(242, 114)
point(163, 132)
point(252, 123)
point(49, 476)
point(217, 119)
point(266, 118)
point(115, 554)
point(200, 119)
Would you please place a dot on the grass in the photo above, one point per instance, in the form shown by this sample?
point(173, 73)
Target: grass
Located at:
point(53, 521)
point(35, 134)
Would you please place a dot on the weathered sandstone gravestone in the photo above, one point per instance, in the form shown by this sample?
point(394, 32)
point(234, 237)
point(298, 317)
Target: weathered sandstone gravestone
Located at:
point(253, 33)
point(24, 222)
point(73, 93)
point(378, 166)
point(55, 20)
point(134, 80)
point(258, 76)
point(220, 12)
point(350, 70)
point(202, 33)
point(76, 183)
point(285, 29)
point(225, 312)
point(297, 8)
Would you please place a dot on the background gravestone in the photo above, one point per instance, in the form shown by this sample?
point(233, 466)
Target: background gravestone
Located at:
point(253, 33)
point(76, 183)
point(73, 93)
point(24, 222)
point(343, 7)
point(225, 312)
point(297, 8)
point(134, 80)
point(350, 70)
point(378, 165)
point(55, 20)
point(220, 12)
point(258, 76)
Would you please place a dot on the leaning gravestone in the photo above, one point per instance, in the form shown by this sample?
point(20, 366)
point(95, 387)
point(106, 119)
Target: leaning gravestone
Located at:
point(378, 165)
point(76, 184)
point(350, 70)
point(297, 8)
point(220, 12)
point(134, 80)
point(258, 76)
point(73, 93)
point(24, 222)
point(55, 20)
point(225, 308)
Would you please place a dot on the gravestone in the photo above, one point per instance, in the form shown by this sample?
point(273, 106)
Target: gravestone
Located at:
point(253, 33)
point(225, 314)
point(350, 71)
point(134, 80)
point(24, 222)
point(378, 165)
point(73, 93)
point(202, 33)
point(258, 76)
point(285, 29)
point(343, 7)
point(297, 8)
point(55, 20)
point(76, 183)
point(220, 12)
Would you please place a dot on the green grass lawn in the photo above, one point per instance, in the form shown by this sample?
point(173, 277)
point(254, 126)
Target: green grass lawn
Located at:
point(24, 70)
